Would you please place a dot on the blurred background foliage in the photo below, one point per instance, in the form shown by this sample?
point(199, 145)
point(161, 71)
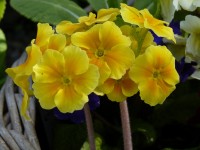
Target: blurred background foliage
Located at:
point(175, 125)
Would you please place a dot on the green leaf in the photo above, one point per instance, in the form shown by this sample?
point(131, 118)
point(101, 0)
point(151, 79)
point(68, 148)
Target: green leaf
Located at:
point(50, 11)
point(3, 48)
point(115, 3)
point(2, 8)
point(98, 4)
point(151, 5)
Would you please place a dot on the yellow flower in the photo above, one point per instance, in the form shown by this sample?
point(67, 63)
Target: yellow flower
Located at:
point(155, 73)
point(119, 90)
point(44, 32)
point(22, 73)
point(65, 79)
point(68, 28)
point(141, 38)
point(103, 15)
point(107, 48)
point(144, 19)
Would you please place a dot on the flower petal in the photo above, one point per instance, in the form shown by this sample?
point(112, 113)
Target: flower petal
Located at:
point(157, 26)
point(131, 15)
point(119, 59)
point(68, 100)
point(116, 95)
point(67, 27)
point(85, 83)
point(76, 60)
point(111, 35)
point(45, 93)
point(151, 92)
point(50, 68)
point(129, 88)
point(57, 42)
point(87, 40)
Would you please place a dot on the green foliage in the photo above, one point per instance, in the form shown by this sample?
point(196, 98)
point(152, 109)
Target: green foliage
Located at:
point(2, 8)
point(152, 5)
point(114, 4)
point(98, 4)
point(50, 11)
point(3, 48)
point(69, 136)
point(98, 143)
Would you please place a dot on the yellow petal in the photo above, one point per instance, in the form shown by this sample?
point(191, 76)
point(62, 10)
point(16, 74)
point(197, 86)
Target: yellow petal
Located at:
point(107, 14)
point(88, 81)
point(161, 56)
point(50, 68)
point(119, 59)
point(68, 100)
point(131, 15)
point(88, 20)
point(157, 26)
point(45, 93)
point(169, 74)
point(104, 69)
point(151, 92)
point(87, 40)
point(44, 31)
point(116, 94)
point(107, 86)
point(111, 35)
point(129, 88)
point(76, 60)
point(57, 42)
point(67, 27)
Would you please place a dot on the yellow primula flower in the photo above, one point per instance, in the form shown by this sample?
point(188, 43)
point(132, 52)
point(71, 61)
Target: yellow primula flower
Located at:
point(84, 22)
point(144, 19)
point(119, 90)
point(64, 80)
point(22, 73)
point(103, 15)
point(107, 48)
point(68, 28)
point(155, 73)
point(44, 32)
point(141, 38)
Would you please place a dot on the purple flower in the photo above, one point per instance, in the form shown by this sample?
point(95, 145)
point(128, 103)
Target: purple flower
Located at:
point(185, 69)
point(78, 116)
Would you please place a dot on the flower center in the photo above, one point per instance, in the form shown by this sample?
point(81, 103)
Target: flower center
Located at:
point(99, 53)
point(156, 74)
point(66, 80)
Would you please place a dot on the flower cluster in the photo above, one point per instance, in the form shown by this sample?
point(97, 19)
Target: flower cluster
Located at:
point(98, 54)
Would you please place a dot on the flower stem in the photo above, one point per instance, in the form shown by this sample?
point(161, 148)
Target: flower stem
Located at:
point(90, 129)
point(126, 126)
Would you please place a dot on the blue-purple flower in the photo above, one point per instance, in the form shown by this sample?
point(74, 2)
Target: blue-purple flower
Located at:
point(78, 116)
point(185, 69)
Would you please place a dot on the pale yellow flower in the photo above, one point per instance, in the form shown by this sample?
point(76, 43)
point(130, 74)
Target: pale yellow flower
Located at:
point(107, 48)
point(155, 73)
point(64, 80)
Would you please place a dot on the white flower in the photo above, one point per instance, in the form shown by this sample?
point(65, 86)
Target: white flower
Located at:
point(189, 5)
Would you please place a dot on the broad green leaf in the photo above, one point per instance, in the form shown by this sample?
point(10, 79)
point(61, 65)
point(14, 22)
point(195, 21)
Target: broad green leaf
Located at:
point(98, 4)
point(2, 8)
point(3, 48)
point(115, 3)
point(151, 5)
point(50, 11)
